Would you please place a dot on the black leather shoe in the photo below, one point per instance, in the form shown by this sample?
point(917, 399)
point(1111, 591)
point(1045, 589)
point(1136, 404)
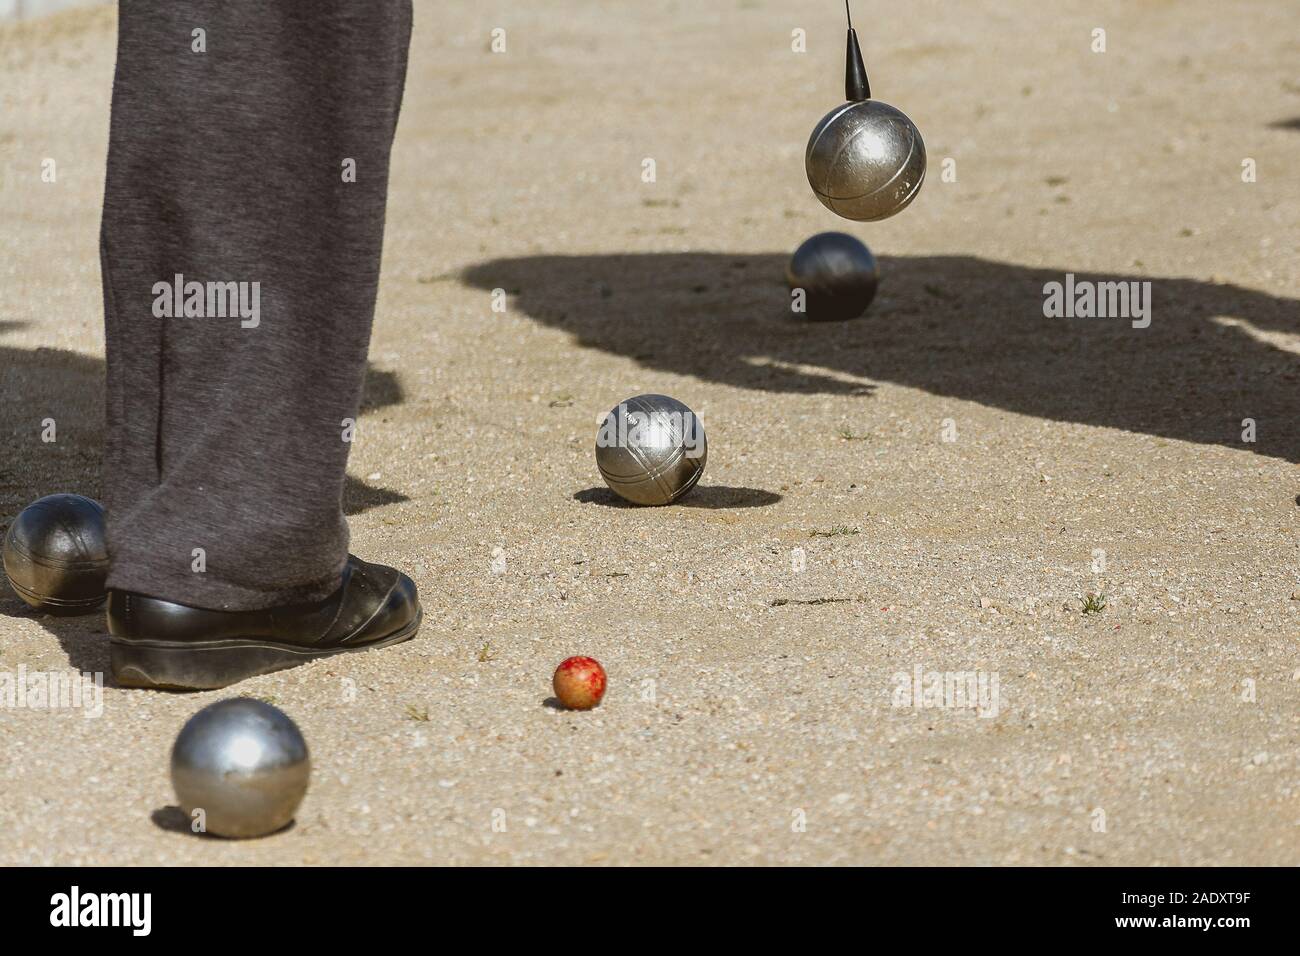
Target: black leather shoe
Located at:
point(158, 643)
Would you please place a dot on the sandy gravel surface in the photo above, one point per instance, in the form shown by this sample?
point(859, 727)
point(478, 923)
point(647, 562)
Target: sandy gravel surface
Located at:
point(751, 717)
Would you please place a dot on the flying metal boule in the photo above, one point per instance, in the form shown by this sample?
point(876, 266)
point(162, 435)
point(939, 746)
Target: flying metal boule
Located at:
point(865, 159)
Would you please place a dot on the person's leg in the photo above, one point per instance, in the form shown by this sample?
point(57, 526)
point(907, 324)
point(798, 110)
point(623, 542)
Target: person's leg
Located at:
point(248, 153)
point(243, 221)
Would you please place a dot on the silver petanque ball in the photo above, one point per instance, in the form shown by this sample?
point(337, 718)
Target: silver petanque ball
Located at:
point(56, 556)
point(838, 276)
point(244, 764)
point(651, 449)
point(865, 160)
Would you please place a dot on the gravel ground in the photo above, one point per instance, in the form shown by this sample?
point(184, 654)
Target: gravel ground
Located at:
point(753, 714)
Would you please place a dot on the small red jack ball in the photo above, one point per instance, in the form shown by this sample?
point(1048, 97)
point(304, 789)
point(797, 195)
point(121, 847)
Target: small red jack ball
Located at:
point(579, 683)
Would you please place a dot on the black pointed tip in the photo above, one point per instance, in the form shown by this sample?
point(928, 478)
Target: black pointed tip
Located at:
point(856, 87)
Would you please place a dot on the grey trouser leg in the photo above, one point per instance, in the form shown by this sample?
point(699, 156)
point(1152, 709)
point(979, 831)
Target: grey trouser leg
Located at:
point(230, 168)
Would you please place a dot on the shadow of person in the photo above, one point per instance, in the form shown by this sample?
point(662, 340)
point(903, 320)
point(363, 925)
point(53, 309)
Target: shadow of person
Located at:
point(68, 387)
point(82, 637)
point(955, 326)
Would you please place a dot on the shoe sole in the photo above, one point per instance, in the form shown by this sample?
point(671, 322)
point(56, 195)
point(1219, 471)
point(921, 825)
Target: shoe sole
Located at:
point(209, 665)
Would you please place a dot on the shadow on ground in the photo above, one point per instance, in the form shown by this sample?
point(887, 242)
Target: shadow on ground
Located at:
point(955, 326)
point(701, 496)
point(83, 637)
point(174, 819)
